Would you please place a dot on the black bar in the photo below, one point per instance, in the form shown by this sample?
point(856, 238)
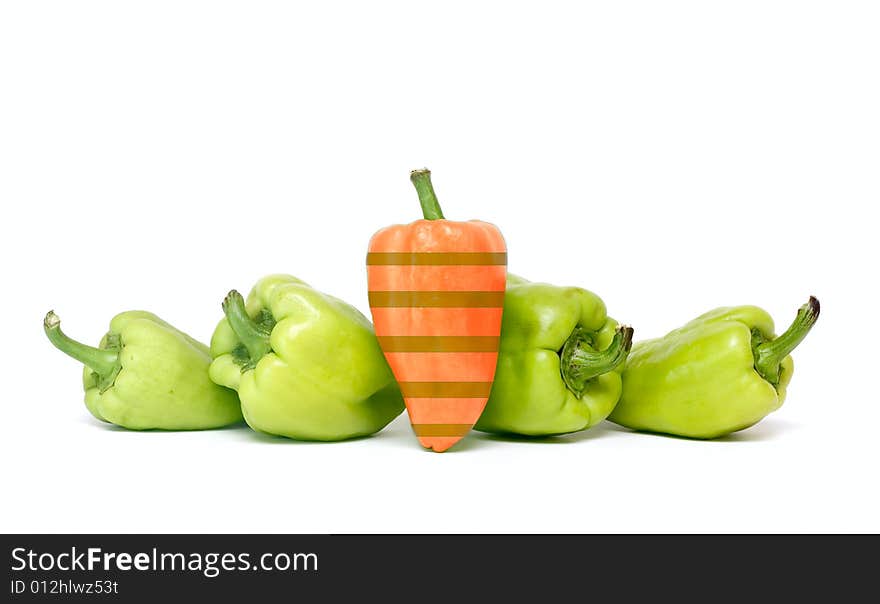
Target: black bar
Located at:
point(407, 567)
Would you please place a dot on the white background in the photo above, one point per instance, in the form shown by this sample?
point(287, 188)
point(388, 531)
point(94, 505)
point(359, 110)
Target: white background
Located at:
point(671, 157)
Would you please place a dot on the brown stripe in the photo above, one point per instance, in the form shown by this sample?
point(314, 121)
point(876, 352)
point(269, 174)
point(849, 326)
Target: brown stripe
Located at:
point(437, 258)
point(445, 389)
point(439, 343)
point(441, 429)
point(436, 299)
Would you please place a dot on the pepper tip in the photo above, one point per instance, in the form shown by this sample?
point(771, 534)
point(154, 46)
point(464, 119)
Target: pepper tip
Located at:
point(51, 320)
point(438, 444)
point(627, 337)
point(232, 295)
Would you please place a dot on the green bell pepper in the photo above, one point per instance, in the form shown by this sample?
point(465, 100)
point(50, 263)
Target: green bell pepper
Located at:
point(722, 372)
point(306, 365)
point(559, 361)
point(146, 374)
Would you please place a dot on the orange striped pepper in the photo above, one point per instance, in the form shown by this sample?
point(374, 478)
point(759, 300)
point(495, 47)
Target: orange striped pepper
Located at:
point(436, 291)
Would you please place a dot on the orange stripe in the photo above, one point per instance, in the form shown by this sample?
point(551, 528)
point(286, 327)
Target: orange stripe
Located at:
point(441, 429)
point(436, 299)
point(439, 343)
point(436, 278)
point(445, 389)
point(437, 321)
point(436, 258)
point(445, 410)
point(443, 366)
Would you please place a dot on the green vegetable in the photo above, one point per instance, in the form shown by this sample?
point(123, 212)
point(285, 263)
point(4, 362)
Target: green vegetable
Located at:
point(722, 372)
point(146, 374)
point(559, 362)
point(306, 365)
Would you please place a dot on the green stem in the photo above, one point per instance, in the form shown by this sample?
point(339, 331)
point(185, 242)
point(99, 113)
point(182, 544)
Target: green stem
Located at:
point(103, 362)
point(579, 363)
point(430, 206)
point(770, 353)
point(254, 338)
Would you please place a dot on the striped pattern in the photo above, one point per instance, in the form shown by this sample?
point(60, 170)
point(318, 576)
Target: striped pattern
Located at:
point(424, 321)
point(430, 277)
point(445, 389)
point(458, 430)
point(442, 366)
point(436, 299)
point(437, 258)
point(439, 343)
point(438, 320)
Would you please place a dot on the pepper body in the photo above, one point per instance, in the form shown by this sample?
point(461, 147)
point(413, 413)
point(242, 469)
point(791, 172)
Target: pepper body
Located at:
point(530, 395)
point(147, 374)
point(701, 380)
point(436, 292)
point(321, 375)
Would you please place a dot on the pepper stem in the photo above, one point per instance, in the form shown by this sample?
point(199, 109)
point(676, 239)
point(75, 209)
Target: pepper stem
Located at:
point(430, 206)
point(579, 363)
point(770, 353)
point(103, 362)
point(254, 337)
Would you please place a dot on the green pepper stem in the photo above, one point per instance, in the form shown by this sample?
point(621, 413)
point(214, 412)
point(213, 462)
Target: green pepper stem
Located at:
point(769, 354)
point(579, 363)
point(103, 362)
point(430, 206)
point(254, 338)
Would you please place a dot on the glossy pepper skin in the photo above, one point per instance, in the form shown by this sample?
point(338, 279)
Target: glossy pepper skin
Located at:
point(306, 365)
point(722, 372)
point(560, 361)
point(436, 290)
point(145, 374)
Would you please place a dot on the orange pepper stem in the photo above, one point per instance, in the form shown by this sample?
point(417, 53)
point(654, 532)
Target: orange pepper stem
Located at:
point(430, 206)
